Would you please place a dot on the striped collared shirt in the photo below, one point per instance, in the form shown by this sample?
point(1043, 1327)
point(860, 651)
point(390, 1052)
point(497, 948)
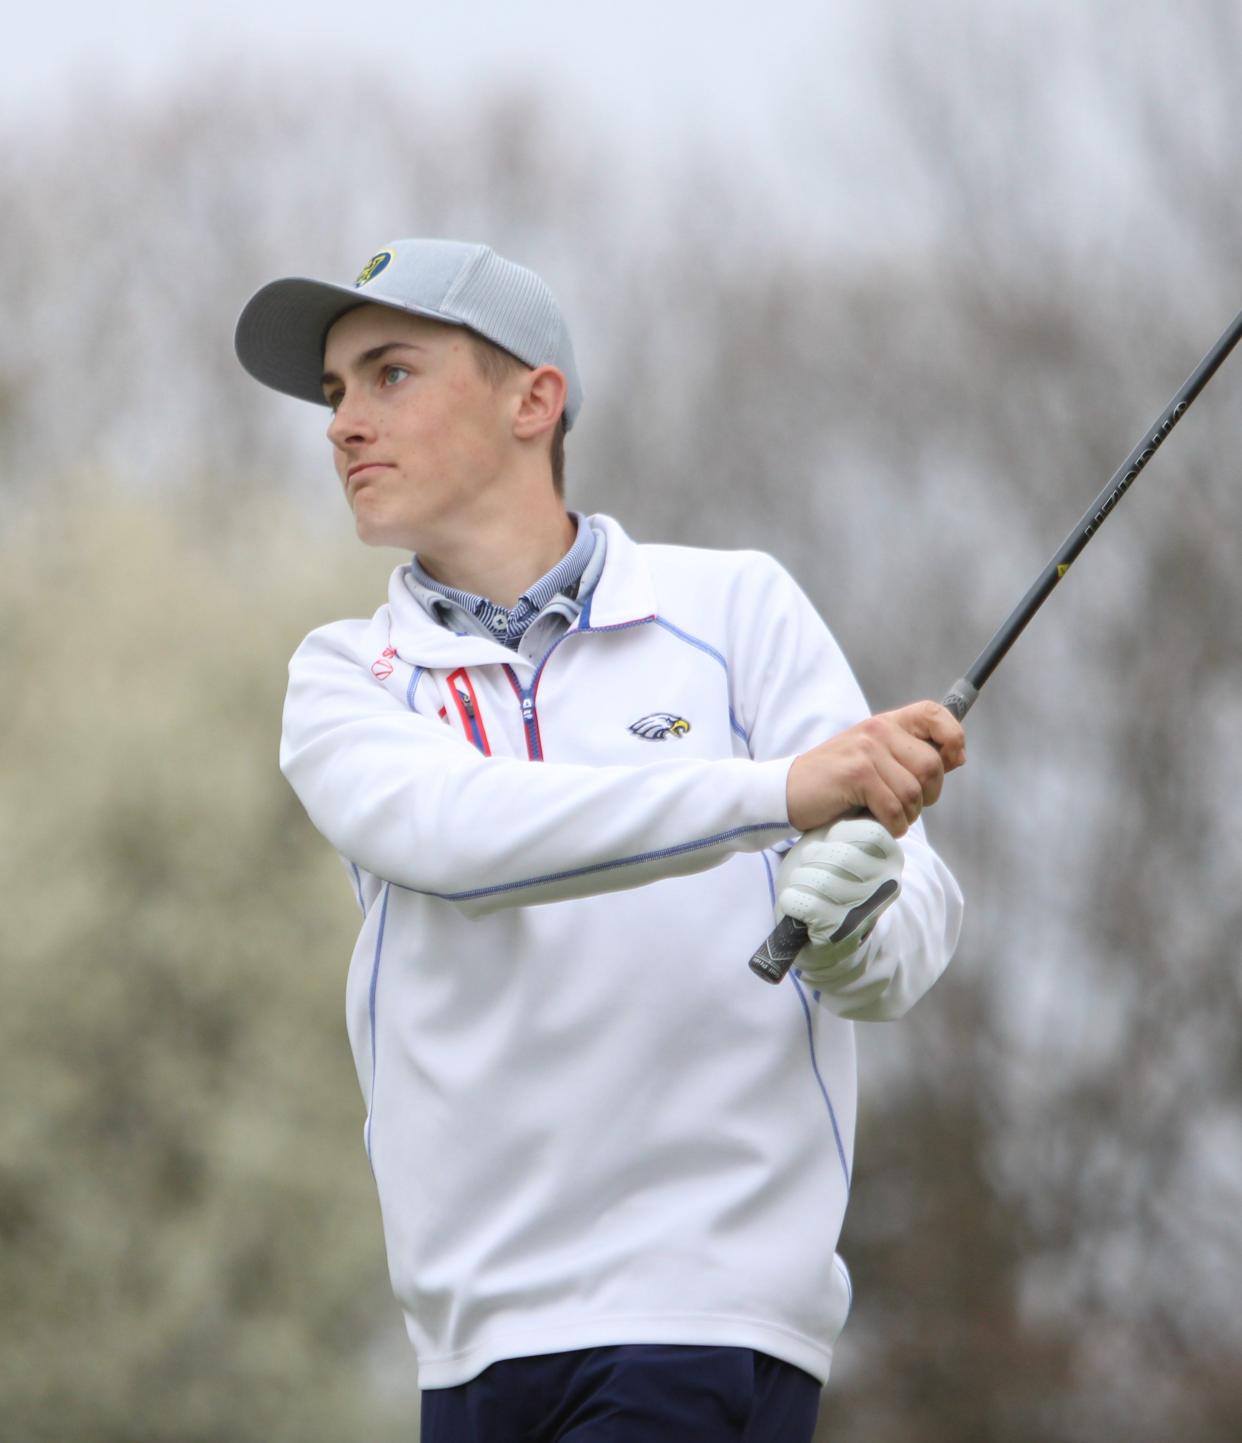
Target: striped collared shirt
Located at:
point(570, 580)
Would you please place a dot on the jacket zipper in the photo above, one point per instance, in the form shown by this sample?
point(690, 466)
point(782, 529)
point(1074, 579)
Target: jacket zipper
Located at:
point(526, 695)
point(526, 700)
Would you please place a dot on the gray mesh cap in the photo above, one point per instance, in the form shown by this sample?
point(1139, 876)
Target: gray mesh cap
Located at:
point(281, 331)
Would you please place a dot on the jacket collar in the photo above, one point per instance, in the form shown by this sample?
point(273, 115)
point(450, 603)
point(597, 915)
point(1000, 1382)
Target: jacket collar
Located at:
point(623, 596)
point(624, 592)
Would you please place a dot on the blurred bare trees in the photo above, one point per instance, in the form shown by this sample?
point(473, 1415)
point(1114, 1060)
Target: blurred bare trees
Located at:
point(189, 1248)
point(1045, 201)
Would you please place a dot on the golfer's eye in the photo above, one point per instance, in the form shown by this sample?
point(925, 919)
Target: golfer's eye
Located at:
point(393, 374)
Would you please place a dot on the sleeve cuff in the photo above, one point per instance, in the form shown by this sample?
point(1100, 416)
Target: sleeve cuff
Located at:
point(769, 795)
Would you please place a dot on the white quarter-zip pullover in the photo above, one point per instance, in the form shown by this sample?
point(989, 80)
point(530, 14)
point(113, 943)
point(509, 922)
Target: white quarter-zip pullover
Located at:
point(589, 1123)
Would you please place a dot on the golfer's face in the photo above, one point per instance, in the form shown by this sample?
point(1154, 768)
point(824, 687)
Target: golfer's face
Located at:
point(418, 433)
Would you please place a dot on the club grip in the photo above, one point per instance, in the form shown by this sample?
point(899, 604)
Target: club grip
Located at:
point(776, 956)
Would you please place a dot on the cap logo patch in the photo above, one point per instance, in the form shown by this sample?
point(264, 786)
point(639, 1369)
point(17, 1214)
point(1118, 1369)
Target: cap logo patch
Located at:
point(660, 725)
point(373, 267)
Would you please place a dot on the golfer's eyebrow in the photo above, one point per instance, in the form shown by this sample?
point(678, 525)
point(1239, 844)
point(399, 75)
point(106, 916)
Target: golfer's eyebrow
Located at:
point(374, 354)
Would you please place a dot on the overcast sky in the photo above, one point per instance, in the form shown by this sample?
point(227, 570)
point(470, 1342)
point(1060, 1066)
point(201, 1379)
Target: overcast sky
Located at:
point(755, 86)
point(725, 70)
point(793, 100)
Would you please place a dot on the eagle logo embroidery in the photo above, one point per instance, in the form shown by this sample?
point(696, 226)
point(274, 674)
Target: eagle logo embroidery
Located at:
point(660, 725)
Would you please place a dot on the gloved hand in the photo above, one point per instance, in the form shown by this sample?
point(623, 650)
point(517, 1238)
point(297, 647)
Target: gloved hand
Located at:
point(837, 880)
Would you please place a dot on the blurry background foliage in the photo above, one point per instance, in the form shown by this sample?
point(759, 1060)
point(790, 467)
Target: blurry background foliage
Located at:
point(1039, 241)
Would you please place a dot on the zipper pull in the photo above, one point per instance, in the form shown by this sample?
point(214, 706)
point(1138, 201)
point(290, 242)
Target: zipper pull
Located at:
point(528, 707)
point(466, 704)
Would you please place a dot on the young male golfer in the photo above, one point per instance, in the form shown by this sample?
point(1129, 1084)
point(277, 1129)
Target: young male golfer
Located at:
point(562, 769)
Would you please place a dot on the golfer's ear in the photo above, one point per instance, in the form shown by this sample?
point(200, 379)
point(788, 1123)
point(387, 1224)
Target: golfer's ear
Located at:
point(541, 402)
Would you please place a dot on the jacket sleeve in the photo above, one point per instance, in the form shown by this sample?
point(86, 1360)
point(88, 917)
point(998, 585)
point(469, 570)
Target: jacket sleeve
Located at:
point(413, 803)
point(795, 690)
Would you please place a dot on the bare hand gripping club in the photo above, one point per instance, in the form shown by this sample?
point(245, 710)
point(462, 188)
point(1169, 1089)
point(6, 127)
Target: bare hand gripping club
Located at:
point(788, 938)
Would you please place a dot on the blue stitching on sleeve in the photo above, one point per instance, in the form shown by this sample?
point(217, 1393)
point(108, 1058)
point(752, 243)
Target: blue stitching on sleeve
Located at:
point(375, 967)
point(810, 1037)
point(711, 651)
point(692, 640)
point(362, 906)
point(604, 866)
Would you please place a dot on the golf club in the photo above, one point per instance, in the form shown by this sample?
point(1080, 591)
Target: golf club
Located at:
point(775, 957)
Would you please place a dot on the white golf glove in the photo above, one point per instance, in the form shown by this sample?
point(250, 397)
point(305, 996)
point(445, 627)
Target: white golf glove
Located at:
point(837, 880)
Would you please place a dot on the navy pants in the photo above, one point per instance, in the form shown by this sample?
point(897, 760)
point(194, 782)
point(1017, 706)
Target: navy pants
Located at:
point(650, 1393)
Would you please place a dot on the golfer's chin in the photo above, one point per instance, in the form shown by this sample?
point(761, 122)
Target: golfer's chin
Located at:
point(376, 527)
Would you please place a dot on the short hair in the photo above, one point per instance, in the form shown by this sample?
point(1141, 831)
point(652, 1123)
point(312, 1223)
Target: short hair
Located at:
point(496, 365)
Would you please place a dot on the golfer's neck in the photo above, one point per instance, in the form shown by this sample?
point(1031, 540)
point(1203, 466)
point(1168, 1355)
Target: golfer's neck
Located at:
point(502, 553)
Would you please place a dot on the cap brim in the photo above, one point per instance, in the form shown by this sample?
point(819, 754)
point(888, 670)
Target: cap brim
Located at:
point(282, 328)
